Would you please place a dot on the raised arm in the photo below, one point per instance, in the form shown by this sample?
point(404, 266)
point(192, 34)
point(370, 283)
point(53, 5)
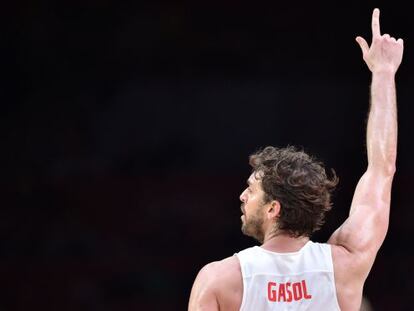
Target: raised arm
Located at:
point(364, 231)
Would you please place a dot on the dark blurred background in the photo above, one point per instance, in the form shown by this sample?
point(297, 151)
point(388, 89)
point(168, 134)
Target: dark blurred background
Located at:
point(126, 129)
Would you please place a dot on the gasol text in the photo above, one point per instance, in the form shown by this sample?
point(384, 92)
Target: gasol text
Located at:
point(287, 292)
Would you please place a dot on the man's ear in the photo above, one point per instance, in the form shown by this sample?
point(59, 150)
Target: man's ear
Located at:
point(273, 210)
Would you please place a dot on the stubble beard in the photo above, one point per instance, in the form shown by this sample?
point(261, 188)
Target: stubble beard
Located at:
point(253, 227)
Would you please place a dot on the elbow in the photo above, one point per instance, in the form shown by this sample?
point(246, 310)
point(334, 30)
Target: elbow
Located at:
point(386, 168)
point(383, 160)
point(390, 166)
point(389, 169)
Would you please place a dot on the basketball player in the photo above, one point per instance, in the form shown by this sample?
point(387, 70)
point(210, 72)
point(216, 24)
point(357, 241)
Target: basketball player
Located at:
point(287, 196)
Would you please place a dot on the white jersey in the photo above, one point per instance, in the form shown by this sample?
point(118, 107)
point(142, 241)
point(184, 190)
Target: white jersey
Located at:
point(302, 280)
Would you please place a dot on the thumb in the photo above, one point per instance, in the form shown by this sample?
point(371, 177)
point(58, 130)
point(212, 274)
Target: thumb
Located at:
point(362, 44)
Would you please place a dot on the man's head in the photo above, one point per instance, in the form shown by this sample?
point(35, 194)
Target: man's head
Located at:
point(289, 192)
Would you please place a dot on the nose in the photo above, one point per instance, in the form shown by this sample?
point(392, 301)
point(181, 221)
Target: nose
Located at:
point(243, 196)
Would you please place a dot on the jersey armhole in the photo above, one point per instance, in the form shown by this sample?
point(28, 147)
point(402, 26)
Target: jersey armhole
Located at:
point(244, 283)
point(333, 276)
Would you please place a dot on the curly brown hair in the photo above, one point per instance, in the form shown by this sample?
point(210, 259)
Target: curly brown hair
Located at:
point(299, 182)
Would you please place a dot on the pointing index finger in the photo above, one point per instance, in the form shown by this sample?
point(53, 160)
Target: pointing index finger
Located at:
point(375, 23)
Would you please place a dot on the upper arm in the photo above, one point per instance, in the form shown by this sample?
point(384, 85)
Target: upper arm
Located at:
point(203, 296)
point(366, 227)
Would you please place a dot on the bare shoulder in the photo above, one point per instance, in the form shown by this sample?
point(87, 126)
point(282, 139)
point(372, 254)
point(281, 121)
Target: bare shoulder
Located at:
point(228, 267)
point(218, 285)
point(223, 275)
point(217, 272)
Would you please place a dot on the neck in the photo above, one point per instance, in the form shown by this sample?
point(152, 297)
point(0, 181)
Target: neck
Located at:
point(284, 243)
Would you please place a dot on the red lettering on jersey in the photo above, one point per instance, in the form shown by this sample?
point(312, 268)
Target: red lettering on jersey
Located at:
point(305, 291)
point(282, 292)
point(288, 292)
point(271, 293)
point(297, 291)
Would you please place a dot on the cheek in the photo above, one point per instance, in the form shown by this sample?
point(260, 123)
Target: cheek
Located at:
point(254, 197)
point(252, 202)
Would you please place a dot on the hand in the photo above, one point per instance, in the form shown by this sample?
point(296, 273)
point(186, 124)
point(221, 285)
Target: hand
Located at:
point(385, 52)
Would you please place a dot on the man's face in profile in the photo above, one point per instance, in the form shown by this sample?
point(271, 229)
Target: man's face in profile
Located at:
point(252, 208)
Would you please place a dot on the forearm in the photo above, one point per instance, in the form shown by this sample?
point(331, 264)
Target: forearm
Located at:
point(381, 142)
point(382, 123)
point(365, 229)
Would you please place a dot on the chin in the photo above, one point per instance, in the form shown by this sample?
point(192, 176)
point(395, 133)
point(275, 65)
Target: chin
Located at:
point(255, 234)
